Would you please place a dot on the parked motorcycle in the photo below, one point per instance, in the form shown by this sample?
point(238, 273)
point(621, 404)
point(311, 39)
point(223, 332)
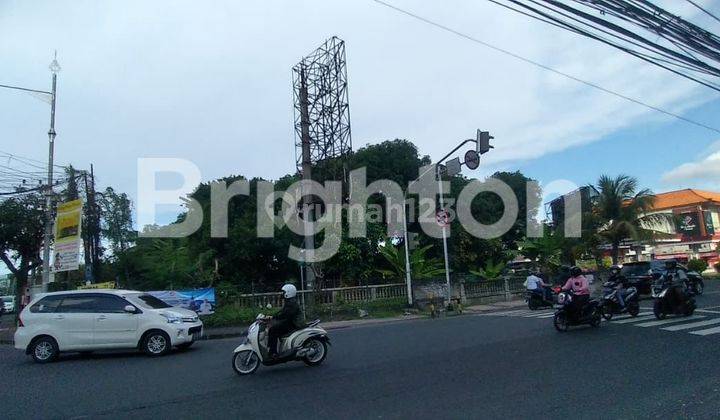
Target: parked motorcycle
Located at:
point(566, 316)
point(536, 299)
point(309, 345)
point(610, 304)
point(666, 299)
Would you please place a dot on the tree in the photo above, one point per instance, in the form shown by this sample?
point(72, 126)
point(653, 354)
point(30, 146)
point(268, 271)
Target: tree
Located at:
point(116, 222)
point(623, 212)
point(21, 236)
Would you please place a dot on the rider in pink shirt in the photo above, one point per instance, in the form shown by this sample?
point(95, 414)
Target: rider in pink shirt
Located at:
point(577, 283)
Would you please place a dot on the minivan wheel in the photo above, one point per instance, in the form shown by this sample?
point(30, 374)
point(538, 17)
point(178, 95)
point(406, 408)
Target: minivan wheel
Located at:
point(44, 349)
point(156, 343)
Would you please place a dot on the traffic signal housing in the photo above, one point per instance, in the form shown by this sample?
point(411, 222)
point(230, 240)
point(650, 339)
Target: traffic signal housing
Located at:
point(483, 142)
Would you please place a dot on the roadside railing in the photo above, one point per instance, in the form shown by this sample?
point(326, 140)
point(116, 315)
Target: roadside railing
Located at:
point(466, 287)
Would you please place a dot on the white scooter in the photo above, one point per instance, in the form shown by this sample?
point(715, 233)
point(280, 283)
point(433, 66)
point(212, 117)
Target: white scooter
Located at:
point(309, 344)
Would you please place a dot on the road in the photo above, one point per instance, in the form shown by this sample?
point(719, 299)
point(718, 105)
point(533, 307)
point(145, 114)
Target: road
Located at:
point(490, 366)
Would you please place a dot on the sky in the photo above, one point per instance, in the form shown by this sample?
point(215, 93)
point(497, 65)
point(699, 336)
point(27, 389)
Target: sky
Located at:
point(210, 82)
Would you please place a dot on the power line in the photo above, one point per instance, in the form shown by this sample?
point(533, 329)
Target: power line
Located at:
point(28, 161)
point(677, 59)
point(704, 10)
point(545, 67)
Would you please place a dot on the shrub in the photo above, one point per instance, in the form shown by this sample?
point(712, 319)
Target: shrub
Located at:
point(697, 265)
point(230, 315)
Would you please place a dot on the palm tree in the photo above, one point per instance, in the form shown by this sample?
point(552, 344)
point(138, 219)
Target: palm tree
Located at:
point(421, 267)
point(623, 212)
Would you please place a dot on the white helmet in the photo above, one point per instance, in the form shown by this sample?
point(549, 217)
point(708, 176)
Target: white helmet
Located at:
point(289, 291)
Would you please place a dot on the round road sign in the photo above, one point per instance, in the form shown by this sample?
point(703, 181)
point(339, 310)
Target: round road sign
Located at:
point(472, 159)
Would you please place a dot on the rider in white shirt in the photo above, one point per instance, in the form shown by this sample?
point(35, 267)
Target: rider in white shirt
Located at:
point(533, 282)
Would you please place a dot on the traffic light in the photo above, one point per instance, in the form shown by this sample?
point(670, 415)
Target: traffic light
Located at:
point(483, 142)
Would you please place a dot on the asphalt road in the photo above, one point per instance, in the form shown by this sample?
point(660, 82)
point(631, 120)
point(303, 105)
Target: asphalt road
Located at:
point(498, 366)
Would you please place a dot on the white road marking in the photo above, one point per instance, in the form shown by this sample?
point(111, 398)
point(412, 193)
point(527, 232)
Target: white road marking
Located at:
point(692, 325)
point(537, 314)
point(706, 332)
point(669, 321)
point(547, 316)
point(621, 317)
point(508, 312)
point(636, 319)
point(707, 311)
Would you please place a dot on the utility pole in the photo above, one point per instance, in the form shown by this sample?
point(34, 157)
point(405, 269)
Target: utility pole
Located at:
point(54, 68)
point(307, 213)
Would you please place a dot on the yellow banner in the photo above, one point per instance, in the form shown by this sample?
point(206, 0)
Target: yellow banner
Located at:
point(106, 285)
point(67, 222)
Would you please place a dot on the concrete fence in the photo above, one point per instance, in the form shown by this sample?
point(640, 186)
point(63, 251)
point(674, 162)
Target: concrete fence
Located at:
point(463, 287)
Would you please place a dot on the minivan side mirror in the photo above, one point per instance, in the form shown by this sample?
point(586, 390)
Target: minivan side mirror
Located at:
point(130, 309)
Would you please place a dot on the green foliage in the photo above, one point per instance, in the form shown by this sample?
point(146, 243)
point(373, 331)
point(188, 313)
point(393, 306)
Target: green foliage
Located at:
point(116, 225)
point(697, 265)
point(491, 271)
point(421, 267)
point(21, 235)
point(230, 315)
point(348, 310)
point(547, 250)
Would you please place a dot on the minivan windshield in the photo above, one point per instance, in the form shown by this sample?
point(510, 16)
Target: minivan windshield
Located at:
point(152, 302)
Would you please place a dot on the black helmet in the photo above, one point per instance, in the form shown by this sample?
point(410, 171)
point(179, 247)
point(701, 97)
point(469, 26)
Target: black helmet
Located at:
point(575, 271)
point(615, 269)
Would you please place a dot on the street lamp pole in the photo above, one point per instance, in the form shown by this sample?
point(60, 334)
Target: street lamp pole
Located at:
point(54, 68)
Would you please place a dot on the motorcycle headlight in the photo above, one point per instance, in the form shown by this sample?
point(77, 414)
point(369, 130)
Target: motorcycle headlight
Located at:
point(171, 319)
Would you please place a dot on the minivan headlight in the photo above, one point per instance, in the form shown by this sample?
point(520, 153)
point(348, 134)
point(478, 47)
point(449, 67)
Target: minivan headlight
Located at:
point(172, 319)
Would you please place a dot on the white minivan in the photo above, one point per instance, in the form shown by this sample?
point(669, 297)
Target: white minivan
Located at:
point(88, 320)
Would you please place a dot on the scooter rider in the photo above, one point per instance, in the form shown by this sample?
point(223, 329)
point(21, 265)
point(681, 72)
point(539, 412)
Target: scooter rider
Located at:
point(287, 320)
point(679, 279)
point(619, 282)
point(580, 288)
point(534, 282)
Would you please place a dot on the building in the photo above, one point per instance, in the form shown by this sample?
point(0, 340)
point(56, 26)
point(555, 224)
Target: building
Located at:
point(694, 230)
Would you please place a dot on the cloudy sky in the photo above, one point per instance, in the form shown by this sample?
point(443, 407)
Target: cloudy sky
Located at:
point(211, 82)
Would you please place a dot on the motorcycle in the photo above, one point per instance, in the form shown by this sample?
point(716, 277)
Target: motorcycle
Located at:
point(536, 299)
point(610, 304)
point(695, 283)
point(666, 302)
point(565, 316)
point(308, 344)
